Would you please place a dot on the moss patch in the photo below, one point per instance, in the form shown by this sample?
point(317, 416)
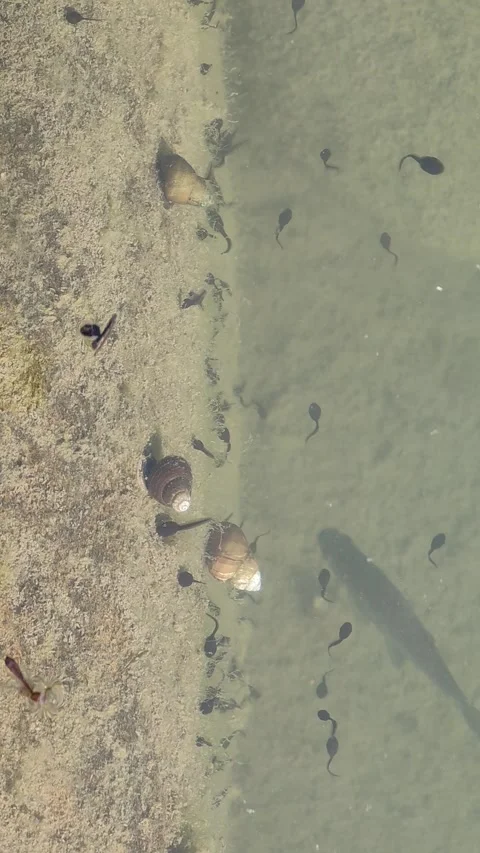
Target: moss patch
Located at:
point(22, 369)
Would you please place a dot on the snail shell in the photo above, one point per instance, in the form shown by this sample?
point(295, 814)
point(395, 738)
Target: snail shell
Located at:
point(248, 577)
point(227, 558)
point(180, 182)
point(170, 483)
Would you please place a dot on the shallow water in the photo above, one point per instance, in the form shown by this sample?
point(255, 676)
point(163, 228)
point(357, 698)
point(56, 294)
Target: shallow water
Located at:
point(389, 352)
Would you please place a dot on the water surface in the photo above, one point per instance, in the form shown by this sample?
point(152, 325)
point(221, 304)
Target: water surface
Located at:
point(390, 353)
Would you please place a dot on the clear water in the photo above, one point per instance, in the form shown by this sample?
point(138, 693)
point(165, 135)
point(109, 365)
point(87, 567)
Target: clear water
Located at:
point(391, 354)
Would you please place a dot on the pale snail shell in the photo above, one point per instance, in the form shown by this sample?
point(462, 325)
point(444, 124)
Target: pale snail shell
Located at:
point(228, 559)
point(180, 182)
point(170, 483)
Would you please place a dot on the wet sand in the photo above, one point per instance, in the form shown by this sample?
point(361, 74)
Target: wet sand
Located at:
point(89, 594)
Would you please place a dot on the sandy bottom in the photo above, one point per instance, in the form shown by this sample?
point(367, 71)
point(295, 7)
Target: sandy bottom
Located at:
point(89, 595)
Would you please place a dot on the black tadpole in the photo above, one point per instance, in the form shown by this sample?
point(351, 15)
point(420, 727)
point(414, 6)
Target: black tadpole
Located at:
point(325, 155)
point(332, 749)
point(437, 542)
point(322, 689)
point(344, 632)
point(283, 220)
point(73, 17)
point(199, 445)
point(323, 579)
point(325, 717)
point(193, 299)
point(216, 222)
point(224, 435)
point(314, 411)
point(386, 242)
point(210, 646)
point(296, 6)
point(252, 548)
point(185, 578)
point(428, 164)
point(207, 706)
point(167, 527)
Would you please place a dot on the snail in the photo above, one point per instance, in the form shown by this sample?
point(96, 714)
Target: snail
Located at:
point(169, 481)
point(180, 182)
point(228, 558)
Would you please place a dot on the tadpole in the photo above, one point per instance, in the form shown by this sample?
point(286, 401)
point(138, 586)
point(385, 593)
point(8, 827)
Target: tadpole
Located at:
point(332, 749)
point(315, 412)
point(322, 689)
point(186, 579)
point(199, 445)
point(386, 242)
point(325, 717)
point(437, 542)
point(296, 6)
point(325, 155)
point(283, 220)
point(73, 17)
point(210, 646)
point(167, 527)
point(343, 634)
point(323, 579)
point(252, 548)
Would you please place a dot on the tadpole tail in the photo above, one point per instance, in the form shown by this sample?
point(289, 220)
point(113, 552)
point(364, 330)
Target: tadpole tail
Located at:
point(328, 768)
point(335, 643)
point(277, 232)
point(295, 27)
point(432, 561)
point(404, 158)
point(312, 433)
point(192, 524)
point(229, 245)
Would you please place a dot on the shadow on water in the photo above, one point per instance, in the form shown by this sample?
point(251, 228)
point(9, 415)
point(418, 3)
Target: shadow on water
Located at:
point(389, 610)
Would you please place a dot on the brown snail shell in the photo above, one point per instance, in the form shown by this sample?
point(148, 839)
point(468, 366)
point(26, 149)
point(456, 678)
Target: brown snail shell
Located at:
point(170, 483)
point(180, 182)
point(227, 557)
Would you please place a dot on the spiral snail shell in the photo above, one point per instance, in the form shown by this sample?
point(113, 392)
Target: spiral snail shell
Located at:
point(180, 182)
point(228, 558)
point(170, 482)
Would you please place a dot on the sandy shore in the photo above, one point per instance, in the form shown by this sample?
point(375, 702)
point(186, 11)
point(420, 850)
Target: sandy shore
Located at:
point(89, 594)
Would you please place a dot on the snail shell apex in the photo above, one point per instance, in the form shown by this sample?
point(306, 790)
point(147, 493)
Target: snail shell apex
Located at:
point(180, 182)
point(170, 483)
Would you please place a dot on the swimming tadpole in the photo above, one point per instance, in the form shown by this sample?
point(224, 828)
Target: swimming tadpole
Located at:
point(332, 749)
point(343, 634)
point(283, 220)
point(325, 155)
point(322, 689)
point(386, 242)
point(323, 579)
point(210, 647)
point(429, 164)
point(325, 717)
point(296, 6)
point(73, 17)
point(437, 542)
point(315, 412)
